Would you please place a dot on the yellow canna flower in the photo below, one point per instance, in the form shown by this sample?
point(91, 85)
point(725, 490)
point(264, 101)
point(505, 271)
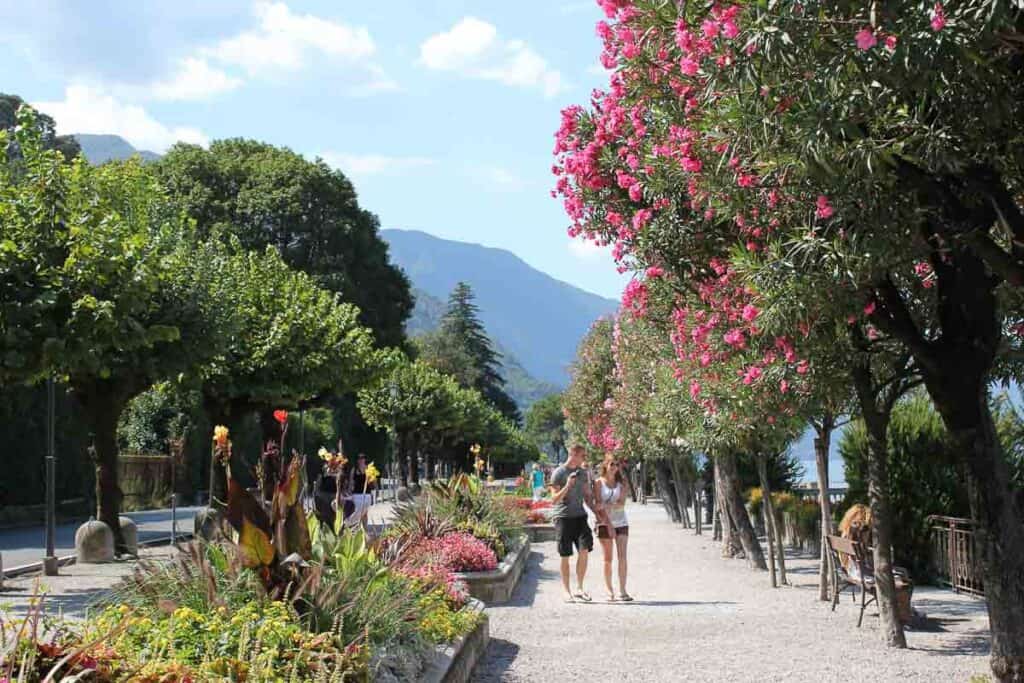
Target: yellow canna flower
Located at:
point(220, 435)
point(372, 472)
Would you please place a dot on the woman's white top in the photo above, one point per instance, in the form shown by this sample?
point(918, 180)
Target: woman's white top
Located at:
point(616, 511)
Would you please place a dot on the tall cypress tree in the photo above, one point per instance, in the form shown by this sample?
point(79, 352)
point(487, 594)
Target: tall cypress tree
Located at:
point(462, 333)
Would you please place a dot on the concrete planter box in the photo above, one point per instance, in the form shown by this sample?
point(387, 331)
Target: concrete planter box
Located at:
point(540, 533)
point(454, 663)
point(497, 585)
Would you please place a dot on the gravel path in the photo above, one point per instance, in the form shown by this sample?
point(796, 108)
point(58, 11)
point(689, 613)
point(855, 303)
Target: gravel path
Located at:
point(699, 617)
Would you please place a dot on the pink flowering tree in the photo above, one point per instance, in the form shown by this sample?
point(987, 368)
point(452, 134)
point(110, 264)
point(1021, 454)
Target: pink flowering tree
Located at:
point(862, 155)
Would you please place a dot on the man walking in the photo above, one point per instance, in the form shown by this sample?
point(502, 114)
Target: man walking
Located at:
point(570, 488)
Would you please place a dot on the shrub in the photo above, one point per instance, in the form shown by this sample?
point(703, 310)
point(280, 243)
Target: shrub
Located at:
point(924, 477)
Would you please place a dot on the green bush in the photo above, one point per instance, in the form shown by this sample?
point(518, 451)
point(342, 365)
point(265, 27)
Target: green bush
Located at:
point(924, 477)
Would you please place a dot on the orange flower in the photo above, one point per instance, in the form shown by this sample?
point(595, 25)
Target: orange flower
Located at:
point(220, 435)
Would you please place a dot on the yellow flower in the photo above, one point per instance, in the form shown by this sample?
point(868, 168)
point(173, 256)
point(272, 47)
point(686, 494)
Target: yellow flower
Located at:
point(220, 435)
point(324, 453)
point(372, 473)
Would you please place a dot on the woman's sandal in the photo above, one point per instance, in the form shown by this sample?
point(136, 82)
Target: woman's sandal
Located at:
point(611, 597)
point(626, 597)
point(584, 596)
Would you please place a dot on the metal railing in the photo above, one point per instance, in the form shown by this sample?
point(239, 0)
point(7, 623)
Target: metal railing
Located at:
point(954, 558)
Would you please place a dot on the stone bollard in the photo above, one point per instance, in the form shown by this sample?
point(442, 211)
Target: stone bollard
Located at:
point(130, 534)
point(403, 495)
point(208, 524)
point(94, 543)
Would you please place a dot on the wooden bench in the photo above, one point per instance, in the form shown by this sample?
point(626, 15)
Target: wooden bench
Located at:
point(844, 553)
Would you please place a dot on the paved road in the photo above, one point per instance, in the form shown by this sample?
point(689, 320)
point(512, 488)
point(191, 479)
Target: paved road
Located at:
point(698, 617)
point(27, 545)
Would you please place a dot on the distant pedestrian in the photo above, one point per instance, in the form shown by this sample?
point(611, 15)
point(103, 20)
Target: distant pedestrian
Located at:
point(538, 482)
point(570, 489)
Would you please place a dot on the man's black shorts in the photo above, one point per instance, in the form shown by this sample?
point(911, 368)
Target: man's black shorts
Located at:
point(573, 531)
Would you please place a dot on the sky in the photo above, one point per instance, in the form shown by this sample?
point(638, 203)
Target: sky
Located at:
point(442, 112)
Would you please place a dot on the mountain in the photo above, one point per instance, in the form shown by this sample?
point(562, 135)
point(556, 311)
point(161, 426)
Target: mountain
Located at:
point(102, 148)
point(536, 319)
point(524, 388)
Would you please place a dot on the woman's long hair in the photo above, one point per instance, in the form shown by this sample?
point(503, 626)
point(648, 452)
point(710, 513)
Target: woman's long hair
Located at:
point(608, 461)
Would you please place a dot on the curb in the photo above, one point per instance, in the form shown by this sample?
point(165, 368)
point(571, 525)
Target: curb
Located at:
point(37, 567)
point(454, 662)
point(497, 586)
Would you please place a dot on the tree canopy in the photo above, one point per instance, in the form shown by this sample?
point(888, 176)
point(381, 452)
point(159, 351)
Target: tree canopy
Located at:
point(270, 196)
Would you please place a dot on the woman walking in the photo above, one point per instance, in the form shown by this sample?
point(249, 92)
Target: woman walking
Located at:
point(613, 527)
point(362, 490)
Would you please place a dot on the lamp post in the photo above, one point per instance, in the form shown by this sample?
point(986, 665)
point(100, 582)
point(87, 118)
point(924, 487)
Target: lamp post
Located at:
point(50, 560)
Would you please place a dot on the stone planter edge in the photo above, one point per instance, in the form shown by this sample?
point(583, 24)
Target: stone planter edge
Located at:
point(454, 662)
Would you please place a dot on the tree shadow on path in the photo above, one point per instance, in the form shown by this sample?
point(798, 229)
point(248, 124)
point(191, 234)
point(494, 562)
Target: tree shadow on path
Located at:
point(496, 662)
point(526, 591)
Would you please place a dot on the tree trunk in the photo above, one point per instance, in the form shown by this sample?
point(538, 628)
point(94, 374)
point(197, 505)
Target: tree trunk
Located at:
point(877, 422)
point(822, 444)
point(770, 526)
point(679, 487)
point(998, 511)
point(414, 461)
point(428, 460)
point(402, 459)
point(102, 406)
point(662, 478)
point(738, 512)
point(696, 509)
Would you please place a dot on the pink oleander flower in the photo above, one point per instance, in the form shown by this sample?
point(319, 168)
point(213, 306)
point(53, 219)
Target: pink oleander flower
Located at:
point(750, 312)
point(869, 307)
point(689, 66)
point(824, 208)
point(866, 38)
point(752, 374)
point(938, 17)
point(735, 338)
point(783, 386)
point(694, 390)
point(655, 271)
point(890, 43)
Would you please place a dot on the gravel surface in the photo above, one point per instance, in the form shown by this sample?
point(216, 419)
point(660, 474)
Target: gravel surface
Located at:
point(698, 617)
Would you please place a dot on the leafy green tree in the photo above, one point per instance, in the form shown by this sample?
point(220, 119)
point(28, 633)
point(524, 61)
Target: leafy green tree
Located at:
point(545, 426)
point(67, 145)
point(118, 293)
point(270, 196)
point(296, 345)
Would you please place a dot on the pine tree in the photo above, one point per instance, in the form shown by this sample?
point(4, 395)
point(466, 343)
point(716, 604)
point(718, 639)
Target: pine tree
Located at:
point(462, 336)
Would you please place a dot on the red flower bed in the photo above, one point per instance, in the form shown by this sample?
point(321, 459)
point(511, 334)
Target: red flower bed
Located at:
point(536, 517)
point(454, 552)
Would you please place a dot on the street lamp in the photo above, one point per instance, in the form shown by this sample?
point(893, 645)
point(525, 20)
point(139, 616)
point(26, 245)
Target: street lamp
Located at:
point(50, 560)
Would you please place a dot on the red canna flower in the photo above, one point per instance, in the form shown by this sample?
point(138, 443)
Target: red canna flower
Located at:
point(281, 416)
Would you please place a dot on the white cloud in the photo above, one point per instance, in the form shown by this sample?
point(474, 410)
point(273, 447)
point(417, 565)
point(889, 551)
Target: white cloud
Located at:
point(473, 48)
point(586, 250)
point(285, 40)
point(499, 178)
point(87, 109)
point(194, 80)
point(362, 165)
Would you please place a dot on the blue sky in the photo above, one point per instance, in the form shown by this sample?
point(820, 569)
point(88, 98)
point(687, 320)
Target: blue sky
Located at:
point(442, 111)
